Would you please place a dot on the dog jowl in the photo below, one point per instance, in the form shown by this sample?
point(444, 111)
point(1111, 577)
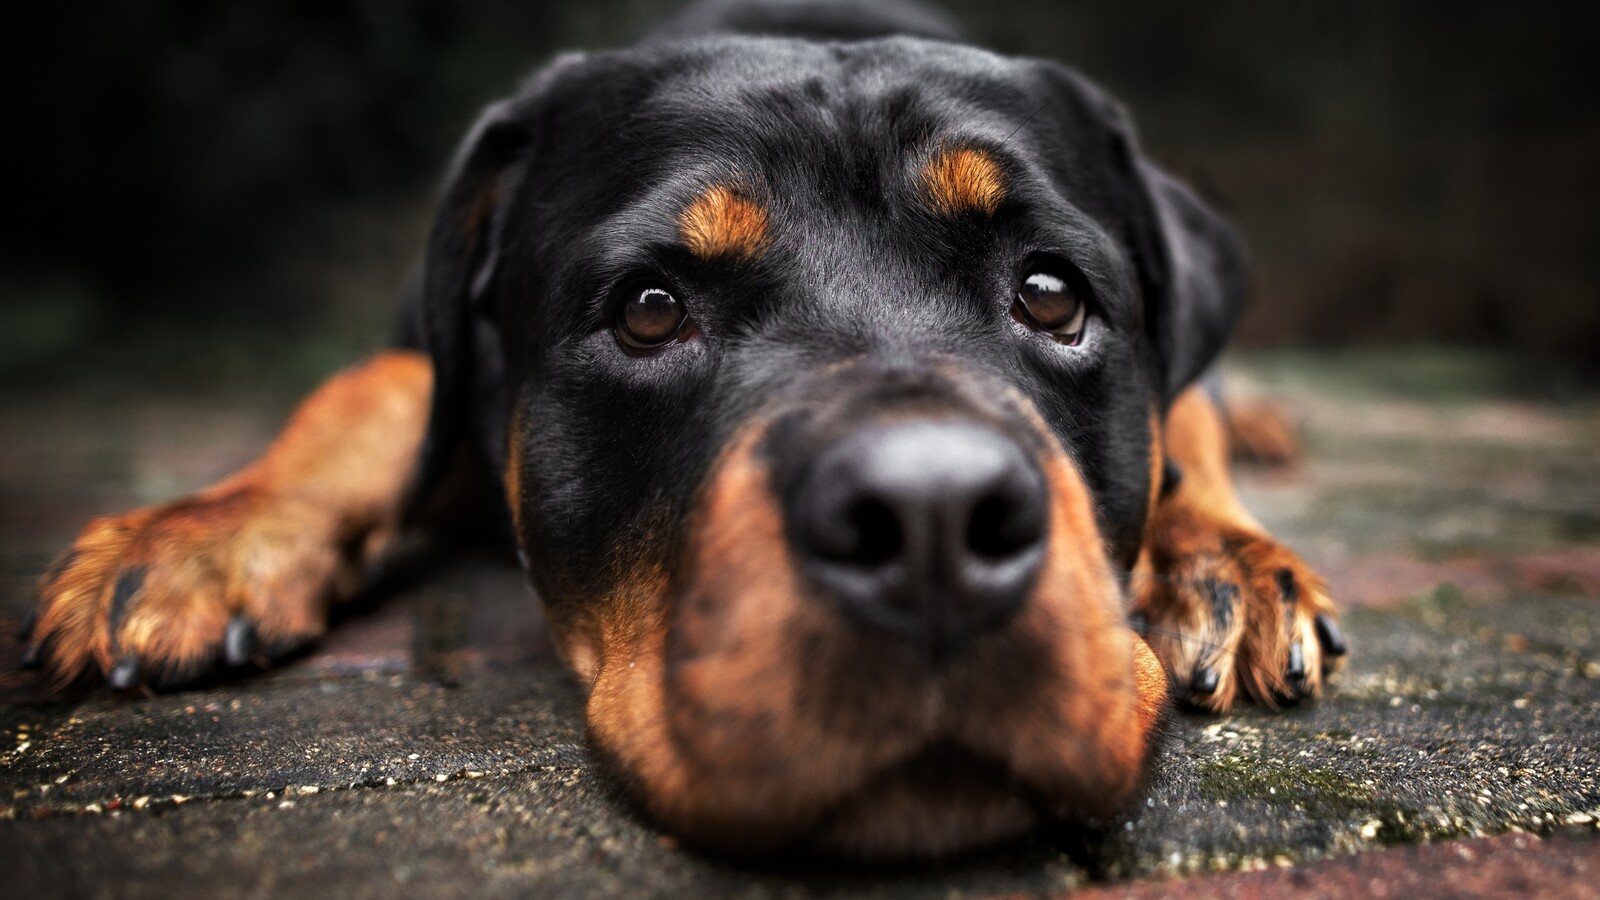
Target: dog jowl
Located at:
point(840, 394)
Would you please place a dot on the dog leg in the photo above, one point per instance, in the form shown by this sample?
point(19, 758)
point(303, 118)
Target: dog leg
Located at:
point(1227, 608)
point(247, 567)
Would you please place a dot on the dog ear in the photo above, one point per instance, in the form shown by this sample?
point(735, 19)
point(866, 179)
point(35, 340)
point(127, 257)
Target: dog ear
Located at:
point(464, 250)
point(1206, 281)
point(1191, 261)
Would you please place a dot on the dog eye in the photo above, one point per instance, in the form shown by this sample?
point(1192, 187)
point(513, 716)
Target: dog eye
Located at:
point(1046, 302)
point(650, 320)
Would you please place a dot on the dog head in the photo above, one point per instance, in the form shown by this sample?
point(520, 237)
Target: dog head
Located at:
point(824, 382)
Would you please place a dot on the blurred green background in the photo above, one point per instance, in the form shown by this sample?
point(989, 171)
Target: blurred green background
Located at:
point(212, 193)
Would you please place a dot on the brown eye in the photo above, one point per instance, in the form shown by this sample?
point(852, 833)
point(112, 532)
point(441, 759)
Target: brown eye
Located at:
point(650, 320)
point(1047, 302)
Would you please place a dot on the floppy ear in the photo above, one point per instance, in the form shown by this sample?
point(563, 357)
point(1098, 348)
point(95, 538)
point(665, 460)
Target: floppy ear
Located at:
point(458, 267)
point(465, 247)
point(1191, 261)
point(1206, 281)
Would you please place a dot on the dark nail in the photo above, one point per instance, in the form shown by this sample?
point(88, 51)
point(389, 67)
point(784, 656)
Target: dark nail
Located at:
point(1204, 682)
point(1139, 623)
point(1286, 586)
point(239, 641)
point(1297, 663)
point(128, 585)
point(25, 629)
point(31, 657)
point(1224, 598)
point(124, 675)
point(1329, 634)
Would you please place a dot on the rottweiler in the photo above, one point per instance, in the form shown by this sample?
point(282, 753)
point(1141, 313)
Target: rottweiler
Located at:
point(846, 387)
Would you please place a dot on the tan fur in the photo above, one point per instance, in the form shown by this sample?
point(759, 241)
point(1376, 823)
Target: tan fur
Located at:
point(511, 478)
point(276, 541)
point(963, 180)
point(736, 632)
point(1150, 681)
point(1200, 540)
point(1157, 466)
point(723, 223)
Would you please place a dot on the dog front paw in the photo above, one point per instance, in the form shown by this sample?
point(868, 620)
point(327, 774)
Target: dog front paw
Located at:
point(1232, 613)
point(165, 594)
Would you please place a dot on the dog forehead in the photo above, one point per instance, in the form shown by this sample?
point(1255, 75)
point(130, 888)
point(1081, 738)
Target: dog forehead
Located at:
point(761, 103)
point(733, 139)
point(854, 118)
point(729, 69)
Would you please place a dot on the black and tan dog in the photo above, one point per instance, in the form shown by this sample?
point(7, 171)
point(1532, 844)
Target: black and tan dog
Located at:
point(839, 379)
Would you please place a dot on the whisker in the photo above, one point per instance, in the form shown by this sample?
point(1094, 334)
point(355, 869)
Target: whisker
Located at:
point(1025, 121)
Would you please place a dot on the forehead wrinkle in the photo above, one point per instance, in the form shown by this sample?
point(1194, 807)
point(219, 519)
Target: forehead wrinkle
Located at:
point(723, 221)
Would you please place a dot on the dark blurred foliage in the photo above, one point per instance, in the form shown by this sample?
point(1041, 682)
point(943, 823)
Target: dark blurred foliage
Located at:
point(1404, 170)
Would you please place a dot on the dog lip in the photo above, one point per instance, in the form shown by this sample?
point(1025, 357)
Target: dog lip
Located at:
point(940, 799)
point(940, 758)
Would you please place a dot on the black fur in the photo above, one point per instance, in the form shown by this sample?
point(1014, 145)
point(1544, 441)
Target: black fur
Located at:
point(568, 194)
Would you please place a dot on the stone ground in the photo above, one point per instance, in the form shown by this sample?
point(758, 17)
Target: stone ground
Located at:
point(431, 746)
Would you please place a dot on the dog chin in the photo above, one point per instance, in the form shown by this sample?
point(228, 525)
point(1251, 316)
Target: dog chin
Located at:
point(940, 802)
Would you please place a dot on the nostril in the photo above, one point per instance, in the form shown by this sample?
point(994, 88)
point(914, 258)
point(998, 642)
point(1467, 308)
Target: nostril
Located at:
point(991, 532)
point(859, 532)
point(879, 538)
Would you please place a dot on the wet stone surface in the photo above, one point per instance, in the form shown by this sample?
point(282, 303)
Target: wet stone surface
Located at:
point(433, 746)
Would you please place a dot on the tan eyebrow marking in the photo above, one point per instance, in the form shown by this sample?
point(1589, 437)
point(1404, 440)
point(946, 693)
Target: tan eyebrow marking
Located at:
point(963, 180)
point(720, 223)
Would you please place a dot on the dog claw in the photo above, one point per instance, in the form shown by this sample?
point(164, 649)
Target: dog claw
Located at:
point(1329, 634)
point(1205, 681)
point(124, 675)
point(129, 583)
point(239, 643)
point(1296, 670)
point(32, 657)
point(1286, 585)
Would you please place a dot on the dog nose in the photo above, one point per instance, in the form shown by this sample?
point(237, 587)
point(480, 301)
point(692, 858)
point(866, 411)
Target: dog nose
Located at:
point(931, 530)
